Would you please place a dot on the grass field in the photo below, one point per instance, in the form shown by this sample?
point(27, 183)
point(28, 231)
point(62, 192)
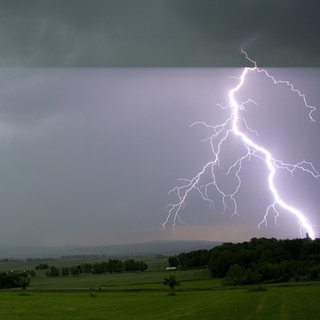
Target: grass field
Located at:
point(143, 296)
point(297, 302)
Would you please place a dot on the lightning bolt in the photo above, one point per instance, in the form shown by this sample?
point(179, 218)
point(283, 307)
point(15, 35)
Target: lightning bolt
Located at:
point(236, 126)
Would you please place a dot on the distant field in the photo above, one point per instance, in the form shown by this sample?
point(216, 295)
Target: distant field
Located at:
point(296, 302)
point(199, 278)
point(142, 295)
point(155, 263)
point(152, 278)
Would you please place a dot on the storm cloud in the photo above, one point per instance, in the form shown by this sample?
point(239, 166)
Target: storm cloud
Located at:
point(168, 33)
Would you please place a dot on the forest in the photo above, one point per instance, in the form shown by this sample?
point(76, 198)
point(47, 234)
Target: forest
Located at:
point(257, 261)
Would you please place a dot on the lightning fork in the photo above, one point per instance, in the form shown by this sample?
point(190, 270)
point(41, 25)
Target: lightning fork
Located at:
point(221, 133)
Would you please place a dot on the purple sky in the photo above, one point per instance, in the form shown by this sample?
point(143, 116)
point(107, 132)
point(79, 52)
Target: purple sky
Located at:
point(89, 155)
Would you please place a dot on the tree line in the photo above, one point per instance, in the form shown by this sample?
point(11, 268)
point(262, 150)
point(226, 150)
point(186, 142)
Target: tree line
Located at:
point(257, 261)
point(266, 261)
point(110, 266)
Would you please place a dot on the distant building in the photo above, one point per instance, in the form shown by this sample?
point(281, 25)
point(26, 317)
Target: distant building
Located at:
point(171, 268)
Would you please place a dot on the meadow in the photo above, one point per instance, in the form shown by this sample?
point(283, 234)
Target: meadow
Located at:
point(297, 302)
point(143, 296)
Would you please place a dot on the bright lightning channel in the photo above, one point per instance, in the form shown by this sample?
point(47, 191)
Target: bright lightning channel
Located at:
point(221, 133)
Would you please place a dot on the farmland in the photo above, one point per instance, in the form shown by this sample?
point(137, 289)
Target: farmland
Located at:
point(142, 295)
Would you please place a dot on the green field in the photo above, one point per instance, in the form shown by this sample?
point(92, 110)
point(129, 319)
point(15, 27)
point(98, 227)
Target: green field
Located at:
point(127, 281)
point(297, 302)
point(143, 296)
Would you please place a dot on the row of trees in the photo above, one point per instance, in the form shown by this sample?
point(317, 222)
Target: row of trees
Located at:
point(266, 260)
point(110, 266)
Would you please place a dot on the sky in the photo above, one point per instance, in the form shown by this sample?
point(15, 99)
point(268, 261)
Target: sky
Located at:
point(162, 33)
point(96, 103)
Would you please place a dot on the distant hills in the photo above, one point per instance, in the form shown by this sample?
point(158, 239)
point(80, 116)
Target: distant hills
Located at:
point(148, 248)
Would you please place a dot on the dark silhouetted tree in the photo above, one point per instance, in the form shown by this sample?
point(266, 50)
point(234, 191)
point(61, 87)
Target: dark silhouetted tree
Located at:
point(171, 282)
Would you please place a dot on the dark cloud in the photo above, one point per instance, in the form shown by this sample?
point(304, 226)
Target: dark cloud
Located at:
point(158, 33)
point(276, 33)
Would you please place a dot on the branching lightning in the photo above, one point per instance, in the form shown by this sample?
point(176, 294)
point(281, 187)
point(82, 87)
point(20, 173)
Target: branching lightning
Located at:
point(236, 126)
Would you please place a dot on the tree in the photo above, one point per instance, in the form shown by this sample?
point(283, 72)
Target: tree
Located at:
point(115, 266)
point(221, 259)
point(65, 271)
point(250, 277)
point(141, 266)
point(24, 280)
point(53, 272)
point(75, 270)
point(42, 266)
point(195, 258)
point(129, 265)
point(86, 268)
point(132, 265)
point(234, 275)
point(14, 280)
point(171, 282)
point(173, 261)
